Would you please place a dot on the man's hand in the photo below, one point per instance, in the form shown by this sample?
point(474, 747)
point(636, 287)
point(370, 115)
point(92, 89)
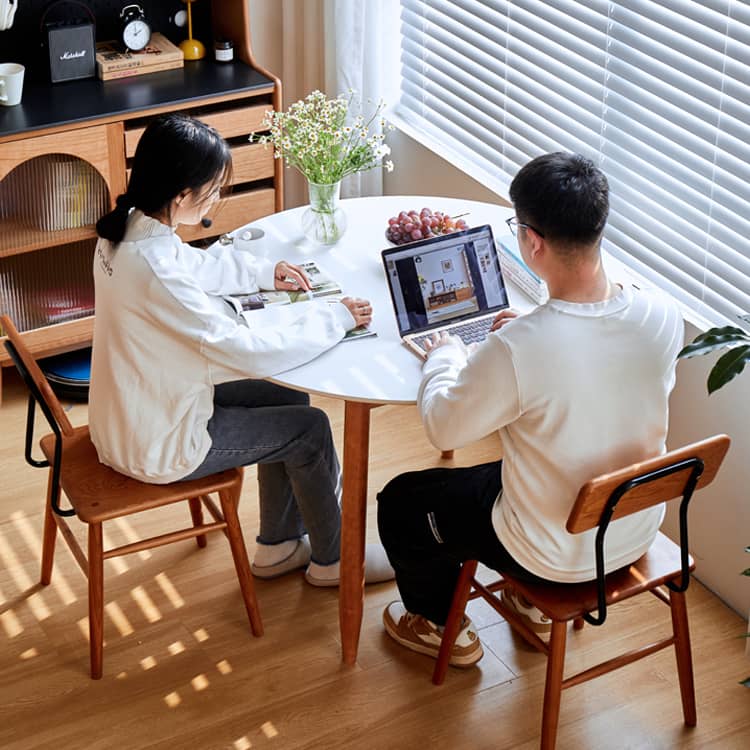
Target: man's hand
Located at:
point(436, 340)
point(502, 318)
point(290, 278)
point(361, 310)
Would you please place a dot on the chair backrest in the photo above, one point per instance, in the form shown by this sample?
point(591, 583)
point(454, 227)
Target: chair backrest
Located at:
point(35, 379)
point(647, 483)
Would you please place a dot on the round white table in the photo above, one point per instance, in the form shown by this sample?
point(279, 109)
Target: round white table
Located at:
point(364, 372)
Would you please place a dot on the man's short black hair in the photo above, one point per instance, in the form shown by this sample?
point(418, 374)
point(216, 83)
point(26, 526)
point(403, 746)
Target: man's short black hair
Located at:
point(564, 196)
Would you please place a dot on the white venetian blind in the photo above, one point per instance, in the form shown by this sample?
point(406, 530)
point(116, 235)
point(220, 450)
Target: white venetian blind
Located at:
point(656, 93)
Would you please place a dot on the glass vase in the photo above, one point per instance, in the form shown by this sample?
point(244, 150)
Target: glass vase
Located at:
point(324, 221)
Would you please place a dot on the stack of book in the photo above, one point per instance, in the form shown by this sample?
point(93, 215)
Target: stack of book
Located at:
point(514, 269)
point(114, 61)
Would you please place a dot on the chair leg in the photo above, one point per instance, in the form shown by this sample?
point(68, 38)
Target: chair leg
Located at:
point(48, 539)
point(553, 685)
point(196, 513)
point(578, 623)
point(229, 500)
point(681, 632)
point(453, 623)
point(96, 599)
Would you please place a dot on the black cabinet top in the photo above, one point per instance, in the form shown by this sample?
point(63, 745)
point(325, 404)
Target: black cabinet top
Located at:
point(46, 105)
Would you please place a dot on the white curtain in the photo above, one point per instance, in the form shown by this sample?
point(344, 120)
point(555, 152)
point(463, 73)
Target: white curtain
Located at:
point(333, 46)
point(360, 51)
point(288, 39)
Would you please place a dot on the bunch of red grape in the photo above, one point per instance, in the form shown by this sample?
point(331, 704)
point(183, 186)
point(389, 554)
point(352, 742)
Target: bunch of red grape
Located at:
point(409, 226)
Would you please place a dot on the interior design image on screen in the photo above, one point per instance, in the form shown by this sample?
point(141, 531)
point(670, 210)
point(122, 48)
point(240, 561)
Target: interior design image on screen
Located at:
point(445, 279)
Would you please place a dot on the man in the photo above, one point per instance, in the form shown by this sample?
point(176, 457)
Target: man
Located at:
point(576, 388)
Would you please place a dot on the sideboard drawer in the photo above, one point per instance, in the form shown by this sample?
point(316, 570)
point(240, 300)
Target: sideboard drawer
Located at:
point(230, 123)
point(232, 212)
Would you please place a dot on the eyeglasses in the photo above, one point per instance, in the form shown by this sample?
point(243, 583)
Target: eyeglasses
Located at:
point(513, 225)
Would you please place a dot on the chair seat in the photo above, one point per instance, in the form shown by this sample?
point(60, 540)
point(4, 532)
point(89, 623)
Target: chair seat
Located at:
point(567, 601)
point(98, 493)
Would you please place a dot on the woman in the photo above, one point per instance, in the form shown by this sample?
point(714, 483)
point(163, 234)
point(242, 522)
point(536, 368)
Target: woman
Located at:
point(170, 397)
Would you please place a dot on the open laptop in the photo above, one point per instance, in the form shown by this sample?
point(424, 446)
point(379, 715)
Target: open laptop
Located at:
point(448, 283)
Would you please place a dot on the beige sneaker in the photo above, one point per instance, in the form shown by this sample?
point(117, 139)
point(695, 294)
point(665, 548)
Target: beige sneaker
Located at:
point(419, 634)
point(533, 618)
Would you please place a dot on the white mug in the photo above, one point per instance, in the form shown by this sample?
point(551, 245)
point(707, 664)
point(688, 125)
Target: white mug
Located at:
point(252, 240)
point(11, 84)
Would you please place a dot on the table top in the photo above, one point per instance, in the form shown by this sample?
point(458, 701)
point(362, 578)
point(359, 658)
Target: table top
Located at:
point(377, 369)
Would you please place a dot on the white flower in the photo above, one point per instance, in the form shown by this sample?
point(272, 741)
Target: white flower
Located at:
point(388, 166)
point(381, 151)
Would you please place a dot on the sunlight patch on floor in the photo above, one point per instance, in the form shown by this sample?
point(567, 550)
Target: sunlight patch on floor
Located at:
point(199, 682)
point(22, 580)
point(34, 543)
point(176, 648)
point(169, 590)
point(131, 535)
point(119, 619)
point(143, 600)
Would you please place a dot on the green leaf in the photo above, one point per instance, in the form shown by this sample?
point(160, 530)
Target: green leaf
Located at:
point(727, 367)
point(714, 338)
point(745, 572)
point(746, 682)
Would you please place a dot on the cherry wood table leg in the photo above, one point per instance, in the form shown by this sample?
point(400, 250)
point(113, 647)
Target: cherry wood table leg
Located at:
point(353, 522)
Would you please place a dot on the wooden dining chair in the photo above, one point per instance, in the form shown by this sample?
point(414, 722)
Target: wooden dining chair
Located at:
point(97, 494)
point(666, 564)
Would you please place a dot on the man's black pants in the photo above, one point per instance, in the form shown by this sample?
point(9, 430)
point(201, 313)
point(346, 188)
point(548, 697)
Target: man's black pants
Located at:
point(432, 521)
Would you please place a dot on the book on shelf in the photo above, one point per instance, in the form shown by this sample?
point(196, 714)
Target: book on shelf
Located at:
point(159, 54)
point(275, 305)
point(128, 72)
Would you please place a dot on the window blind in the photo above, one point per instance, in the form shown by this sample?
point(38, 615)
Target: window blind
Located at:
point(656, 93)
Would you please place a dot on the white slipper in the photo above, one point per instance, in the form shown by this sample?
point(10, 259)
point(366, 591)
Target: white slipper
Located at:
point(299, 558)
point(377, 569)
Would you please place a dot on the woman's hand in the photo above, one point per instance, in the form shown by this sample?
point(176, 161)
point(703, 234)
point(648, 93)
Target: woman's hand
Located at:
point(290, 278)
point(361, 309)
point(502, 318)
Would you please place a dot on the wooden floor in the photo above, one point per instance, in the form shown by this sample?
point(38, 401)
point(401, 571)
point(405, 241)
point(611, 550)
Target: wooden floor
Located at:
point(181, 669)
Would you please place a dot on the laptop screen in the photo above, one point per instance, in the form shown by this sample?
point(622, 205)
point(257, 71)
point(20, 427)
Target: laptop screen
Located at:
point(444, 279)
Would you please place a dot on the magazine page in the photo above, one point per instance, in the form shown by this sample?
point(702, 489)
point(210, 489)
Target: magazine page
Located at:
point(269, 308)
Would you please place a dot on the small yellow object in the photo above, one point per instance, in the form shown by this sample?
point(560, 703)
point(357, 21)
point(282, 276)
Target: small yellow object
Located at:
point(191, 48)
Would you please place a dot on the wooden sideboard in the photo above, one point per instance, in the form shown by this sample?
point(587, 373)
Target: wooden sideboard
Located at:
point(100, 123)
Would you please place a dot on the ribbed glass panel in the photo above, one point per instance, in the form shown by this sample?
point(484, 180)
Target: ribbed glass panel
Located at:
point(657, 92)
point(48, 286)
point(52, 192)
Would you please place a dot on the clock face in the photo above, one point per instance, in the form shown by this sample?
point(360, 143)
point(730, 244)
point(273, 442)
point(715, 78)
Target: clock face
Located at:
point(136, 35)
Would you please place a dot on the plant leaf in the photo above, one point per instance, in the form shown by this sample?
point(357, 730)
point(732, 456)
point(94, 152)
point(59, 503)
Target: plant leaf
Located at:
point(746, 682)
point(745, 572)
point(714, 338)
point(727, 367)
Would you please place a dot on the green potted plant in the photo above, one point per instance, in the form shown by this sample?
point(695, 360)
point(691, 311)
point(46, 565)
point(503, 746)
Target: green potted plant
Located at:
point(727, 367)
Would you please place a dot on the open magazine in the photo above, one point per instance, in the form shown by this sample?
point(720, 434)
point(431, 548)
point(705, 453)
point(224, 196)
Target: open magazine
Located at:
point(321, 285)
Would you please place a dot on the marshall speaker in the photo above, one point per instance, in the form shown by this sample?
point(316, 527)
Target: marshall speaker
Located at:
point(71, 43)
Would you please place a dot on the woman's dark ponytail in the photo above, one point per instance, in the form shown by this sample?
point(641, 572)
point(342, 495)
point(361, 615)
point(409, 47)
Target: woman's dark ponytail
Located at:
point(112, 225)
point(175, 153)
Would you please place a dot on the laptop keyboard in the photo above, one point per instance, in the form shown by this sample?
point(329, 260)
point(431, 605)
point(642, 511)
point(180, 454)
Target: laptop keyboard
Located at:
point(471, 332)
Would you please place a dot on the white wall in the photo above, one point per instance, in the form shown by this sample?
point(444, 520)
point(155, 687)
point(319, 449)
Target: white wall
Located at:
point(418, 171)
point(719, 519)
